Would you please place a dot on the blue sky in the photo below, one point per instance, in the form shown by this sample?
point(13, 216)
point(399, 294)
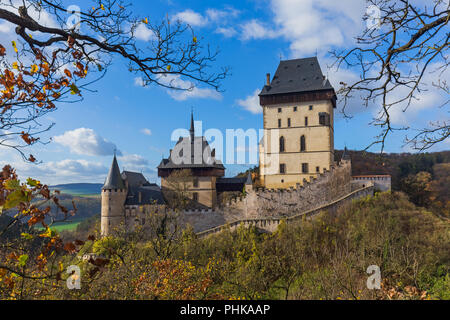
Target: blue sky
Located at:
point(252, 36)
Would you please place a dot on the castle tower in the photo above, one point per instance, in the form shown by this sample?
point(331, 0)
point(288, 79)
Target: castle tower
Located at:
point(193, 155)
point(114, 194)
point(298, 124)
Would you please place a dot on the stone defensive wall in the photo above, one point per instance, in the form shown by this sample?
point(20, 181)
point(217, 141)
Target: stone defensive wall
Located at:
point(270, 224)
point(266, 203)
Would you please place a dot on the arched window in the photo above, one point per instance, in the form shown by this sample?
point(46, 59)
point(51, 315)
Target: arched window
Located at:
point(302, 143)
point(282, 144)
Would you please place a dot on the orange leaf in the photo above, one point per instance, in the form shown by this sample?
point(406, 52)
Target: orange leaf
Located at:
point(69, 247)
point(68, 73)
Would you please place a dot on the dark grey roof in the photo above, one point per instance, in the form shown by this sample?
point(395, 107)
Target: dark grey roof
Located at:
point(134, 178)
point(233, 180)
point(114, 179)
point(232, 184)
point(243, 180)
point(197, 149)
point(150, 194)
point(297, 75)
point(345, 155)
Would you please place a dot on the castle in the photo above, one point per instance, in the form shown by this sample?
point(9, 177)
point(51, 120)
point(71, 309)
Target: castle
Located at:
point(297, 167)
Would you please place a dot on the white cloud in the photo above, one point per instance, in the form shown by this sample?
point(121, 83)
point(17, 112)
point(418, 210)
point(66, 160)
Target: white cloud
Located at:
point(227, 32)
point(134, 162)
point(428, 99)
point(256, 30)
point(309, 25)
point(85, 141)
point(211, 15)
point(146, 131)
point(138, 81)
point(251, 102)
point(6, 27)
point(191, 17)
point(144, 33)
point(190, 90)
point(63, 171)
point(221, 15)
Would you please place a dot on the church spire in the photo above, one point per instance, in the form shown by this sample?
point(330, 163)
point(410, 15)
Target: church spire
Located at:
point(191, 130)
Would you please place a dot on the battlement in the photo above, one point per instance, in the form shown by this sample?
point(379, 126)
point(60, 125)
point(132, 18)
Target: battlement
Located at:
point(262, 191)
point(266, 202)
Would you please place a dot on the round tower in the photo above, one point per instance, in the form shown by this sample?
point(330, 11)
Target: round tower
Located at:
point(114, 194)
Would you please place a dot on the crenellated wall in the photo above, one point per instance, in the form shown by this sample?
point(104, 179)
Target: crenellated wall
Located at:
point(262, 203)
point(270, 224)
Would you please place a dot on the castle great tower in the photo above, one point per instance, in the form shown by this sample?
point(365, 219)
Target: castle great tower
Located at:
point(298, 124)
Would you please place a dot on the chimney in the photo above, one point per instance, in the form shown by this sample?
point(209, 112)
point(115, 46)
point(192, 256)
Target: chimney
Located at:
point(140, 197)
point(267, 79)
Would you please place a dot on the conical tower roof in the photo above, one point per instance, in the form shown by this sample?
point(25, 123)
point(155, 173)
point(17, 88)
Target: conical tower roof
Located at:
point(345, 154)
point(114, 179)
point(192, 130)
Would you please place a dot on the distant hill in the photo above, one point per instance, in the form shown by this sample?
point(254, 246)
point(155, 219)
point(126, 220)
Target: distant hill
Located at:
point(79, 188)
point(398, 165)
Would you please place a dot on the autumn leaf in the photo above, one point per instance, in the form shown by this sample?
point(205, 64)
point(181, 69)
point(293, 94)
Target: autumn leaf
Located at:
point(68, 73)
point(69, 247)
point(12, 184)
point(48, 233)
point(169, 67)
point(15, 65)
point(194, 39)
point(145, 20)
point(14, 198)
point(32, 183)
point(70, 41)
point(74, 89)
point(27, 138)
point(14, 45)
point(31, 158)
point(102, 7)
point(2, 50)
point(26, 236)
point(34, 69)
point(23, 260)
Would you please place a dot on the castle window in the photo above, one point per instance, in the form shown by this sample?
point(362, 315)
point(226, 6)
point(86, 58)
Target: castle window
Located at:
point(295, 108)
point(306, 121)
point(302, 143)
point(289, 122)
point(279, 123)
point(310, 107)
point(282, 144)
point(195, 182)
point(282, 168)
point(279, 110)
point(304, 168)
point(317, 169)
point(195, 196)
point(324, 119)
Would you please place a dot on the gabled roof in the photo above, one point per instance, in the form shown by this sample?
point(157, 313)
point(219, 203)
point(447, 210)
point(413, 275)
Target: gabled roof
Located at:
point(149, 194)
point(297, 75)
point(134, 178)
point(114, 179)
